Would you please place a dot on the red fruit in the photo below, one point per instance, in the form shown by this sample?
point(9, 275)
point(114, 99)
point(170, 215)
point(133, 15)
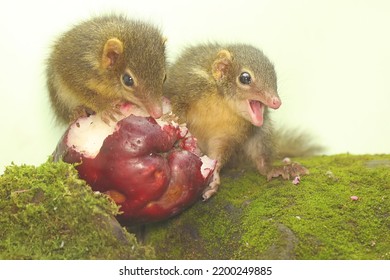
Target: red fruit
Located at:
point(151, 168)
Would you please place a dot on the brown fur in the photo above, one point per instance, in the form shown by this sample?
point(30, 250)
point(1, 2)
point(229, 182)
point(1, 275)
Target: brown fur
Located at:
point(86, 66)
point(206, 93)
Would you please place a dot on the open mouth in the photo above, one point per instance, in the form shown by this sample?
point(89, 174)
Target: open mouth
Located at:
point(256, 110)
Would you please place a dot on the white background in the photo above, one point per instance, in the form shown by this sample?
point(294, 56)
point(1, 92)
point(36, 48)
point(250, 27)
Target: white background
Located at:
point(332, 58)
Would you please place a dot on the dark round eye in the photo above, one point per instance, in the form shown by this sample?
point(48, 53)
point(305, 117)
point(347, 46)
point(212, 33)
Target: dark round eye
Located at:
point(127, 80)
point(245, 78)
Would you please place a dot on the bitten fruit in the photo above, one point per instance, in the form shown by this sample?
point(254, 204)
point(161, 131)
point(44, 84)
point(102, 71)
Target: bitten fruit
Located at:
point(150, 167)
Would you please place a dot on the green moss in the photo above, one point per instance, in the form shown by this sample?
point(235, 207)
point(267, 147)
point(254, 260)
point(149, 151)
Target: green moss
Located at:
point(251, 218)
point(48, 213)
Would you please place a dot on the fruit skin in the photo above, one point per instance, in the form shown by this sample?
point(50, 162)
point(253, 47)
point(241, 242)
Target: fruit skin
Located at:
point(151, 168)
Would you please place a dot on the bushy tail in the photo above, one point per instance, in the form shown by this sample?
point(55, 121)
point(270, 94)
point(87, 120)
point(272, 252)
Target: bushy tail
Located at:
point(295, 143)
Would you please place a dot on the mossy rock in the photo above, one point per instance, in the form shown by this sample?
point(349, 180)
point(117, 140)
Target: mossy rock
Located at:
point(48, 213)
point(250, 218)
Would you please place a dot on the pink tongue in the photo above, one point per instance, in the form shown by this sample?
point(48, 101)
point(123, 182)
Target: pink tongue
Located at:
point(257, 112)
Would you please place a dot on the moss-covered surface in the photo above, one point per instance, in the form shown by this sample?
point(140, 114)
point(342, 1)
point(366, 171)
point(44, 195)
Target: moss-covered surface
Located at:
point(46, 212)
point(251, 218)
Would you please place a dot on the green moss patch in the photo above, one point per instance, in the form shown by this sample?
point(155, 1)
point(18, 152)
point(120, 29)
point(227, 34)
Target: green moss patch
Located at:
point(48, 213)
point(251, 218)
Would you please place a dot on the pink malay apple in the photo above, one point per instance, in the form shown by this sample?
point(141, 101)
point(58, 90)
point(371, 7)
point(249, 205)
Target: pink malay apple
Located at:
point(151, 167)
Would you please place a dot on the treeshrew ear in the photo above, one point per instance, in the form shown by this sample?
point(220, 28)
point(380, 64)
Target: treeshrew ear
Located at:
point(221, 64)
point(112, 50)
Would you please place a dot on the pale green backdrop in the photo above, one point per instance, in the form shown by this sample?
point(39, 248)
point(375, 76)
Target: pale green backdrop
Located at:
point(332, 59)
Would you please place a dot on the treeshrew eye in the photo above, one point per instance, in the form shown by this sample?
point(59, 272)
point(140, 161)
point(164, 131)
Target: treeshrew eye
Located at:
point(127, 80)
point(245, 78)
